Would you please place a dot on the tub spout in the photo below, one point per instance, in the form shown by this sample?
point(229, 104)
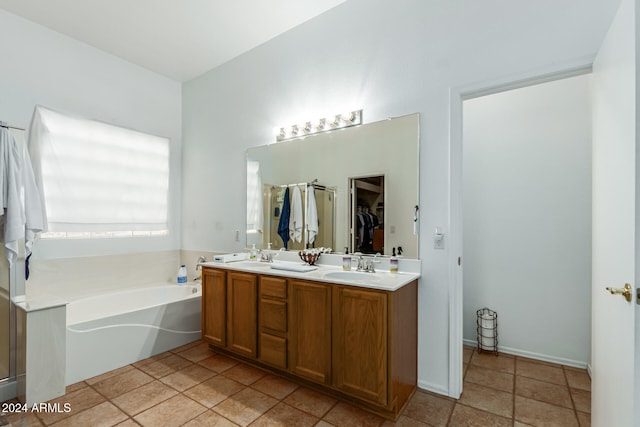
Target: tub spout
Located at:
point(199, 266)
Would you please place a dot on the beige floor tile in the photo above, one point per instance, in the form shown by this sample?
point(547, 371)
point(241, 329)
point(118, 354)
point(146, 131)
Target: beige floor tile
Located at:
point(283, 415)
point(28, 419)
point(539, 362)
point(274, 386)
point(128, 423)
point(173, 412)
point(543, 391)
point(144, 397)
point(323, 423)
point(472, 417)
point(120, 384)
point(78, 401)
point(188, 346)
point(197, 352)
point(312, 402)
point(245, 406)
point(188, 377)
point(550, 374)
point(214, 391)
point(582, 400)
point(210, 419)
point(543, 414)
point(466, 354)
point(163, 367)
point(404, 421)
point(103, 415)
point(578, 379)
point(152, 359)
point(584, 419)
point(487, 399)
point(97, 379)
point(490, 378)
point(77, 386)
point(429, 408)
point(503, 363)
point(218, 363)
point(244, 374)
point(344, 414)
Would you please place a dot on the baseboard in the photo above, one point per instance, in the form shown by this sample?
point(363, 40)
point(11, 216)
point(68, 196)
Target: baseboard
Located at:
point(434, 388)
point(536, 356)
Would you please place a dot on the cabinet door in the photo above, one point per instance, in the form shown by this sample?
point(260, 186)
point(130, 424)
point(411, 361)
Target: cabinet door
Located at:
point(214, 304)
point(242, 311)
point(310, 330)
point(360, 343)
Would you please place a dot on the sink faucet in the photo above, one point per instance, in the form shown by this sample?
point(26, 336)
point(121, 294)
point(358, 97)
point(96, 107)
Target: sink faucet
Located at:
point(366, 264)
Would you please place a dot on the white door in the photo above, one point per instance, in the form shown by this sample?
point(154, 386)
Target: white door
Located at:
point(615, 195)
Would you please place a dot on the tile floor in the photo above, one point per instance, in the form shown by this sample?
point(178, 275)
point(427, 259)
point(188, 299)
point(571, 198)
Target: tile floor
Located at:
point(192, 386)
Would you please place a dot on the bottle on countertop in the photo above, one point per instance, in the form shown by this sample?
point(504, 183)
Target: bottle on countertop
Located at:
point(253, 253)
point(393, 262)
point(182, 275)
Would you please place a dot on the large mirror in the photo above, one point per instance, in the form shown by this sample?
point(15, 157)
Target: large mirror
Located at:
point(354, 188)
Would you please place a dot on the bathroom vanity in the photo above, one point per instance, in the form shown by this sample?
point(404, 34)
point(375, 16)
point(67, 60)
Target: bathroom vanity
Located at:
point(352, 335)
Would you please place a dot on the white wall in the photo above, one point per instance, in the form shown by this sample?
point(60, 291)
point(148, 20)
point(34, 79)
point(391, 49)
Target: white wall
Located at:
point(527, 218)
point(391, 59)
point(39, 66)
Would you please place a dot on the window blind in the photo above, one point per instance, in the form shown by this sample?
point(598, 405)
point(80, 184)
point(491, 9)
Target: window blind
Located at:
point(98, 177)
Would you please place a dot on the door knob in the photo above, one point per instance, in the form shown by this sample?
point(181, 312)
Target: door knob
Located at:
point(625, 292)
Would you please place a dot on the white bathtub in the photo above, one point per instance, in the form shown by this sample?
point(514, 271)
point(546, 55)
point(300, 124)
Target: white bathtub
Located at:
point(109, 331)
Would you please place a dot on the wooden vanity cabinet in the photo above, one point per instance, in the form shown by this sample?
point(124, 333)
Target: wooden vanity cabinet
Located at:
point(273, 322)
point(242, 313)
point(353, 342)
point(214, 306)
point(229, 310)
point(310, 344)
point(360, 350)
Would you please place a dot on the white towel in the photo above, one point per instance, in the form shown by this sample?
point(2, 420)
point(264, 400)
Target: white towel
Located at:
point(311, 215)
point(295, 217)
point(21, 202)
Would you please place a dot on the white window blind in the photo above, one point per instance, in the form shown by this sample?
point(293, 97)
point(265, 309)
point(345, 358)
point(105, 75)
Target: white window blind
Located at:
point(97, 177)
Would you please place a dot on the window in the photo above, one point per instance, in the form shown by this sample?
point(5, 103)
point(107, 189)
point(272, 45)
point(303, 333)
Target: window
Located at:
point(99, 180)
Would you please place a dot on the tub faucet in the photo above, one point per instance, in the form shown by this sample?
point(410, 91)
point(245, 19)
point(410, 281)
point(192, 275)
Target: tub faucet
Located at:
point(199, 266)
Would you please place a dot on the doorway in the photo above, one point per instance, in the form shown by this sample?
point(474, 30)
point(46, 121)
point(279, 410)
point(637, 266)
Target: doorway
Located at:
point(526, 218)
point(367, 214)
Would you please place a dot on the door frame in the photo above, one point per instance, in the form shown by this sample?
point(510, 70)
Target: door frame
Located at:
point(458, 95)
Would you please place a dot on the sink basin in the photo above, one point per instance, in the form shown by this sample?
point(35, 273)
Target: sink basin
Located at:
point(251, 264)
point(352, 275)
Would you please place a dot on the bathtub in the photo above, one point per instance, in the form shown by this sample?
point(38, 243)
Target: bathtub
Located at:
point(106, 332)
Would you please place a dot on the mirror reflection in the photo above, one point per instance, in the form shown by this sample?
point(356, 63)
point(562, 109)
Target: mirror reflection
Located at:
point(353, 189)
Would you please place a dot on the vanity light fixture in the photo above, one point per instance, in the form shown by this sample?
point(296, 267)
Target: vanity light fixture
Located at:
point(325, 124)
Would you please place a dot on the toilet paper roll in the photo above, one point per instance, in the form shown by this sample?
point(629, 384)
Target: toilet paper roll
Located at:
point(487, 332)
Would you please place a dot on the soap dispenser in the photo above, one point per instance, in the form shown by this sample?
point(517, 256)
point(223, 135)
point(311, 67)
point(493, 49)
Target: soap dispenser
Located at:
point(253, 254)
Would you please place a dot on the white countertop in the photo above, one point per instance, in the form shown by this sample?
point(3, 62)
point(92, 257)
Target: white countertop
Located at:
point(383, 280)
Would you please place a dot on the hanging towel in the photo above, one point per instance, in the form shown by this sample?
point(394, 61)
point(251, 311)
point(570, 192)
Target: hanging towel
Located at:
point(295, 219)
point(311, 215)
point(283, 225)
point(21, 202)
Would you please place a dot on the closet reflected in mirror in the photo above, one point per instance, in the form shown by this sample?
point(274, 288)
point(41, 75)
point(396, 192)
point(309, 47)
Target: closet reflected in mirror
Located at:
point(367, 214)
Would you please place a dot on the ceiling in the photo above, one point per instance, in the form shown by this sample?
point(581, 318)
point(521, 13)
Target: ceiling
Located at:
point(180, 39)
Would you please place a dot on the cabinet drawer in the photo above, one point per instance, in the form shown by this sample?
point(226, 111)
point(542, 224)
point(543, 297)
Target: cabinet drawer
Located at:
point(273, 350)
point(273, 287)
point(273, 315)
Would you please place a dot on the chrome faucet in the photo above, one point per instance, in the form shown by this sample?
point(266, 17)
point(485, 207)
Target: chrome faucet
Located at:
point(366, 264)
point(199, 266)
